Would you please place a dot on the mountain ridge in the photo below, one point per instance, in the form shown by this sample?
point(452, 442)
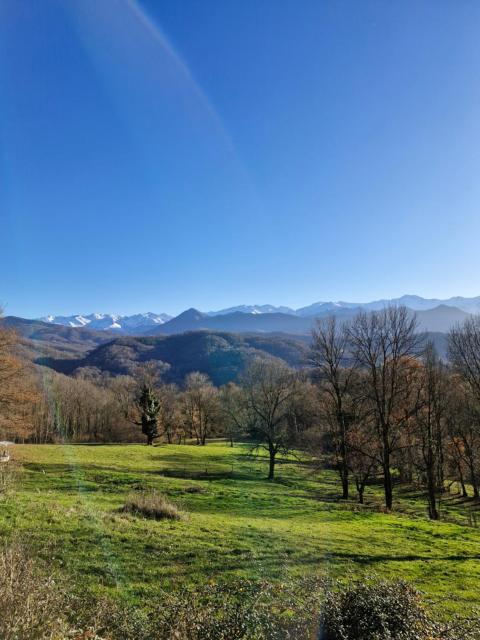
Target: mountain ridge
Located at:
point(143, 322)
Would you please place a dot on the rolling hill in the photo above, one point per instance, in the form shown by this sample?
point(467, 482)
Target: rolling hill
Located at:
point(222, 356)
point(53, 340)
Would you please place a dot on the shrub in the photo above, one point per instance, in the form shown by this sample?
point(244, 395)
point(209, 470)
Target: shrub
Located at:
point(152, 504)
point(31, 605)
point(243, 610)
point(9, 472)
point(386, 610)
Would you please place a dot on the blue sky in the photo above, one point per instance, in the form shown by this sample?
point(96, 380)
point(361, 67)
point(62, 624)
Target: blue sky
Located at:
point(158, 155)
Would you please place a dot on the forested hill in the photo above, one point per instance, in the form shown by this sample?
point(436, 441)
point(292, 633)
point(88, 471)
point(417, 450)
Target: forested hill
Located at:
point(52, 340)
point(219, 354)
point(222, 356)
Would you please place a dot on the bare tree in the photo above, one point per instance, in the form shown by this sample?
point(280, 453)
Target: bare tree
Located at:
point(464, 354)
point(169, 416)
point(430, 425)
point(384, 343)
point(270, 388)
point(464, 351)
point(335, 372)
point(201, 405)
point(234, 413)
point(362, 458)
point(463, 420)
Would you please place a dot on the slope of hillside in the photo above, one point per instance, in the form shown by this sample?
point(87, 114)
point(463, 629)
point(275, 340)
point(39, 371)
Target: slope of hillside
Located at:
point(44, 339)
point(222, 356)
point(238, 523)
point(441, 318)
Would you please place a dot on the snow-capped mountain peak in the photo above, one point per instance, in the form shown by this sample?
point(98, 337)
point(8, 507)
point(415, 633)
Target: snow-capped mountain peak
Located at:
point(109, 321)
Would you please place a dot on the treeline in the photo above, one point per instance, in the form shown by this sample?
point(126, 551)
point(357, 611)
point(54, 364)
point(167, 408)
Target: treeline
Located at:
point(390, 408)
point(374, 402)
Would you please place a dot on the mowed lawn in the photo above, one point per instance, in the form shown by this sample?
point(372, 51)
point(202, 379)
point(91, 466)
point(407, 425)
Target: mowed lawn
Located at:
point(68, 499)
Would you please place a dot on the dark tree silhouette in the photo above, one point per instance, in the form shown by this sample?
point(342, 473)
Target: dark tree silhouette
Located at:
point(149, 407)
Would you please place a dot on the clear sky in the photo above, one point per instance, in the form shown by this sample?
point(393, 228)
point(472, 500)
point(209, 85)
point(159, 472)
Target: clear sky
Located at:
point(162, 154)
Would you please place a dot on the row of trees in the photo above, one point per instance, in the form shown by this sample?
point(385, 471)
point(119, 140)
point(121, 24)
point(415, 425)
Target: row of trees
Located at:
point(19, 392)
point(272, 406)
point(390, 406)
point(376, 403)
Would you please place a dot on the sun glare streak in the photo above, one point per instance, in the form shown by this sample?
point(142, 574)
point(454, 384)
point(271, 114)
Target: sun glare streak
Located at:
point(95, 520)
point(156, 33)
point(146, 78)
point(78, 474)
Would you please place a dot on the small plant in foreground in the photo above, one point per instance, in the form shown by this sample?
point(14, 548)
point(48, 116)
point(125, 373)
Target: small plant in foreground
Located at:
point(9, 472)
point(31, 605)
point(152, 504)
point(243, 610)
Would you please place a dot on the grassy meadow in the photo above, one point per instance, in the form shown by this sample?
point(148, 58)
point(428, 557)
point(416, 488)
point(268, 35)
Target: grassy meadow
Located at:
point(67, 504)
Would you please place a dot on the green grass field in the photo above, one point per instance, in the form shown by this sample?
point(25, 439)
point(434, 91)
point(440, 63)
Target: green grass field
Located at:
point(67, 504)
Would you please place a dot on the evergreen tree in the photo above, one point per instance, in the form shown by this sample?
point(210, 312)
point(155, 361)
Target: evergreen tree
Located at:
point(149, 407)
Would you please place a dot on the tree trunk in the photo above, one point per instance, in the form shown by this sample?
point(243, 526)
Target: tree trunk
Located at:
point(440, 461)
point(344, 474)
point(271, 470)
point(360, 490)
point(431, 479)
point(476, 494)
point(388, 483)
point(387, 475)
point(473, 479)
point(343, 453)
point(432, 499)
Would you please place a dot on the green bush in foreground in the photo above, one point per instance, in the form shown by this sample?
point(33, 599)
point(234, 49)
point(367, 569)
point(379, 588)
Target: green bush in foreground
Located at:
point(386, 610)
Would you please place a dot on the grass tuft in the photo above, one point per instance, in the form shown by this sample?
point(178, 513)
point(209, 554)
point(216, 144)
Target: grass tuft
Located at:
point(152, 504)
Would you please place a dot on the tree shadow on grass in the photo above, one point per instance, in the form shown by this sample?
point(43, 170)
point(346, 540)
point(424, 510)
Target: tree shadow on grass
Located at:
point(191, 474)
point(407, 557)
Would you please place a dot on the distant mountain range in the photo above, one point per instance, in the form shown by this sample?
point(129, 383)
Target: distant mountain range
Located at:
point(439, 319)
point(433, 314)
point(109, 321)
